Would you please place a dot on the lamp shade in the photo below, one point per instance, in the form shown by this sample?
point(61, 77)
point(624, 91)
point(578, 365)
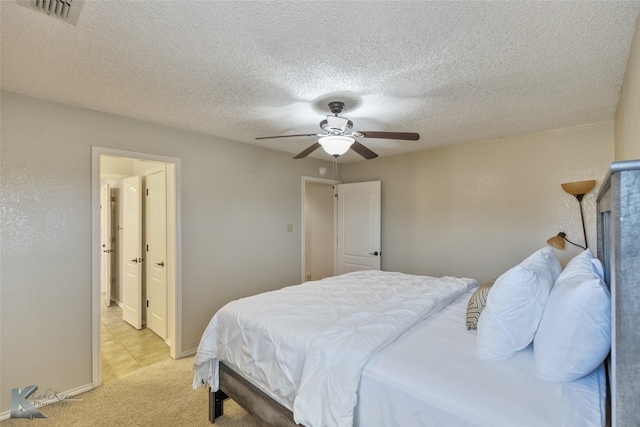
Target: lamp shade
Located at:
point(556, 241)
point(336, 145)
point(579, 187)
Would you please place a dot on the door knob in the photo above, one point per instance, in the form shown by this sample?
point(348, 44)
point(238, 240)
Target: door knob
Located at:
point(161, 263)
point(375, 253)
point(134, 260)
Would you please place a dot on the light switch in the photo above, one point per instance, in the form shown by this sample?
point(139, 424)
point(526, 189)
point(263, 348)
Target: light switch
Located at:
point(289, 228)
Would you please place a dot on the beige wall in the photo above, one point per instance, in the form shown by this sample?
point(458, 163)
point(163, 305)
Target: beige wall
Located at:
point(116, 166)
point(477, 209)
point(627, 130)
point(236, 202)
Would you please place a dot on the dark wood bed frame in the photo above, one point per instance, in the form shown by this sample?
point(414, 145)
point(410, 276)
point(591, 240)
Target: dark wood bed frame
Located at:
point(249, 397)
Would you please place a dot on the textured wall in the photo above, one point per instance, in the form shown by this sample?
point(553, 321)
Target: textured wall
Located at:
point(627, 133)
point(236, 202)
point(477, 209)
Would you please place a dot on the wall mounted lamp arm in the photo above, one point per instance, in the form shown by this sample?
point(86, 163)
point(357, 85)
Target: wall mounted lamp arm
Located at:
point(558, 241)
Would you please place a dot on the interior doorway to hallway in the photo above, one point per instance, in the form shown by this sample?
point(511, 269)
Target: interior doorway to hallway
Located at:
point(154, 307)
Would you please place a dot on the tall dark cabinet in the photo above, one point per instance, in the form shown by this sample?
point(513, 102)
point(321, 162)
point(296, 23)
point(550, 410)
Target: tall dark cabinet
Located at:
point(618, 206)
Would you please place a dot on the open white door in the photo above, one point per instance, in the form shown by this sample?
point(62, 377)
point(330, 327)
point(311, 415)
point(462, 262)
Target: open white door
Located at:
point(132, 251)
point(156, 252)
point(359, 207)
point(106, 242)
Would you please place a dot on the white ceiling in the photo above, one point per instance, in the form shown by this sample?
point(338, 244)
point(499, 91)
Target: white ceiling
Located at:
point(453, 71)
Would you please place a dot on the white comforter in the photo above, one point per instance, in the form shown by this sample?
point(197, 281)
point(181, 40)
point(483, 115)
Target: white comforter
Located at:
point(306, 345)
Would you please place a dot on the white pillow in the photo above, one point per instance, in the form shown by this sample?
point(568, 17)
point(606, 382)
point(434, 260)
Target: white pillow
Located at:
point(515, 306)
point(584, 265)
point(574, 336)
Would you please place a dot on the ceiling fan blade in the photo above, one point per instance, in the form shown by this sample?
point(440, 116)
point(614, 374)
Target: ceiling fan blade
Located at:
point(363, 151)
point(288, 136)
point(308, 151)
point(408, 136)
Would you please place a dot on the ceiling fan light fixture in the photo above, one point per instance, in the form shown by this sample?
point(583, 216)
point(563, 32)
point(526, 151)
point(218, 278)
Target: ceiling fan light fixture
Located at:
point(336, 145)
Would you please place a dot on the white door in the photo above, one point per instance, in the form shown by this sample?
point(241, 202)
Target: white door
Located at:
point(106, 242)
point(132, 251)
point(155, 209)
point(359, 226)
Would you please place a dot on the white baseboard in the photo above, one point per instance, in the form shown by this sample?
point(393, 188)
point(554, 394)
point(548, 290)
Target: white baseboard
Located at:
point(188, 353)
point(61, 396)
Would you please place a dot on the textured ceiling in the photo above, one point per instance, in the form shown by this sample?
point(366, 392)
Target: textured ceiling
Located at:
point(453, 71)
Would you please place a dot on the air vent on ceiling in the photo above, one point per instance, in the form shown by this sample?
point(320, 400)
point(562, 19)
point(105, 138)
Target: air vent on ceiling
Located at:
point(65, 10)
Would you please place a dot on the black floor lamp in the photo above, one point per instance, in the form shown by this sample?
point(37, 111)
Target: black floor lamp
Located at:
point(577, 189)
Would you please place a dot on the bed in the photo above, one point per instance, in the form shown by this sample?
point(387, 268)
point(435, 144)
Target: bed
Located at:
point(378, 348)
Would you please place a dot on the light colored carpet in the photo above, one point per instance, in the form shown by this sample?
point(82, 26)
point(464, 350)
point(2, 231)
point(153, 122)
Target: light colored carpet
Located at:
point(156, 395)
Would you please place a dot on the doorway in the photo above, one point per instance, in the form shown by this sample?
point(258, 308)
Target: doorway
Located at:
point(145, 165)
point(319, 228)
point(341, 227)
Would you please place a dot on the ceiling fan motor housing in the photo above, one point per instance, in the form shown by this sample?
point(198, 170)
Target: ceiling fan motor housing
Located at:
point(335, 125)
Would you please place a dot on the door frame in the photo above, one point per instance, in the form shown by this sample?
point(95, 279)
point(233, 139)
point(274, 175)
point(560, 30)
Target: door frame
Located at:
point(306, 179)
point(174, 252)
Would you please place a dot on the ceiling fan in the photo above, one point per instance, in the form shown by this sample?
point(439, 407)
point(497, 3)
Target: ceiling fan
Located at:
point(338, 137)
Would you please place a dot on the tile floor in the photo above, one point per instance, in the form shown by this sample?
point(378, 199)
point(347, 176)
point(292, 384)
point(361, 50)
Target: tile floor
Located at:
point(124, 348)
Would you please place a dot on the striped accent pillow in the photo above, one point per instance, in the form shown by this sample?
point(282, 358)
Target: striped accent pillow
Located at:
point(477, 302)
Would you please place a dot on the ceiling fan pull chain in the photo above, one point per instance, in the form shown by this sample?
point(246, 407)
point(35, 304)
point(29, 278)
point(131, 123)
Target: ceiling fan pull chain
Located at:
point(335, 167)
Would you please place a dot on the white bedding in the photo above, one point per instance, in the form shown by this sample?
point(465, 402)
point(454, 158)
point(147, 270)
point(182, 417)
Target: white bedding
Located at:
point(431, 376)
point(306, 345)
